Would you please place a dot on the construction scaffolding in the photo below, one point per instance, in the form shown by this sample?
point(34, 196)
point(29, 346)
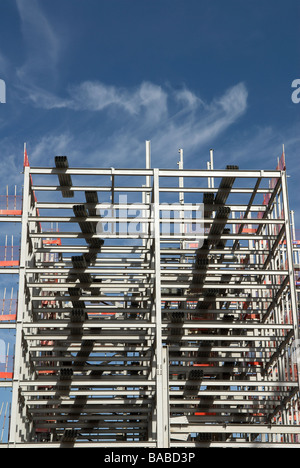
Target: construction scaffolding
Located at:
point(156, 308)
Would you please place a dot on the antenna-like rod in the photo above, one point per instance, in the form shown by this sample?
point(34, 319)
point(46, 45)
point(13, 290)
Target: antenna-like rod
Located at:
point(211, 157)
point(148, 166)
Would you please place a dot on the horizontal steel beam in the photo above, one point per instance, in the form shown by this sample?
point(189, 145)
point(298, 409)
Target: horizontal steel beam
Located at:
point(78, 444)
point(118, 381)
point(162, 220)
point(10, 219)
point(142, 206)
point(5, 383)
point(162, 172)
point(76, 381)
point(56, 188)
point(238, 429)
point(236, 444)
point(119, 325)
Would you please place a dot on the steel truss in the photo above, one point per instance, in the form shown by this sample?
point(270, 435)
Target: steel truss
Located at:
point(139, 326)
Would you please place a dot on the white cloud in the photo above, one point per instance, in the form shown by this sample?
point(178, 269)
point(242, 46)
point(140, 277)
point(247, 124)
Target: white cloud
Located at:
point(11, 165)
point(42, 42)
point(170, 118)
point(234, 100)
point(39, 97)
point(188, 98)
point(95, 96)
point(49, 145)
point(202, 123)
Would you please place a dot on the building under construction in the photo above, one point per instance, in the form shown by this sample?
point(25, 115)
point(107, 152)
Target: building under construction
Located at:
point(156, 308)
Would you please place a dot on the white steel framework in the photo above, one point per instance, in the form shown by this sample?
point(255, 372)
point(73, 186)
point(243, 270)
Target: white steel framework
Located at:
point(141, 325)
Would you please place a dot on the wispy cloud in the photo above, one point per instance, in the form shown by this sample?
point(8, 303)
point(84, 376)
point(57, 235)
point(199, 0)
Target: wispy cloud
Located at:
point(172, 118)
point(188, 98)
point(95, 96)
point(263, 145)
point(108, 123)
point(202, 123)
point(41, 41)
point(11, 165)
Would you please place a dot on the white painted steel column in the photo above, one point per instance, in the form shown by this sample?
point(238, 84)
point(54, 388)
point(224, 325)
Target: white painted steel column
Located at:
point(148, 166)
point(19, 364)
point(290, 259)
point(158, 318)
point(181, 202)
point(211, 157)
point(180, 167)
point(166, 403)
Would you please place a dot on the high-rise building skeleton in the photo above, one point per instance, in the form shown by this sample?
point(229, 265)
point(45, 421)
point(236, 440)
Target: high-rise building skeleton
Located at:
point(156, 308)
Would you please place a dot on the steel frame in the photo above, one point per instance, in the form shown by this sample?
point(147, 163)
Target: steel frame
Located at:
point(155, 338)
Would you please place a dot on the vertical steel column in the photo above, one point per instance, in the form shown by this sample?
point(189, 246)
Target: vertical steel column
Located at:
point(148, 166)
point(166, 403)
point(290, 259)
point(181, 197)
point(160, 394)
point(211, 155)
point(18, 363)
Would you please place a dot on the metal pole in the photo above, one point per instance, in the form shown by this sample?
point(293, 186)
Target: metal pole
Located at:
point(166, 403)
point(158, 319)
point(289, 253)
point(148, 166)
point(211, 154)
point(180, 167)
point(181, 198)
point(293, 224)
point(208, 179)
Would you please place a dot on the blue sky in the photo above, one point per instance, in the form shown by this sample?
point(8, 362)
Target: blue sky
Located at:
point(95, 79)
